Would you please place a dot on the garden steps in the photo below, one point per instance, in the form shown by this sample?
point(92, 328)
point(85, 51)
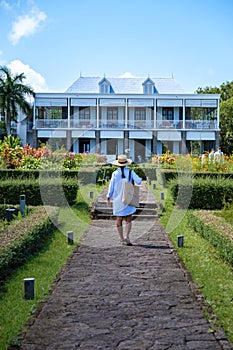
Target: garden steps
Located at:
point(148, 207)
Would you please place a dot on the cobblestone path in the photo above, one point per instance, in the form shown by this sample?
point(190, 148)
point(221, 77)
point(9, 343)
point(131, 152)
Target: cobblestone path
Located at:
point(125, 298)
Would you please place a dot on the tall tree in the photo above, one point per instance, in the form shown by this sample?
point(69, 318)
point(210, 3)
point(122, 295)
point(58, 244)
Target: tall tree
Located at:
point(226, 125)
point(225, 90)
point(226, 113)
point(14, 96)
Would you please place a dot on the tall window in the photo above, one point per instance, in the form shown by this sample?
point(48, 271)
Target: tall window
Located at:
point(112, 113)
point(84, 113)
point(167, 113)
point(140, 114)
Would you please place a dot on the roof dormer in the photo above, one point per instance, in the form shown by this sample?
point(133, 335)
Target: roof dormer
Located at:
point(105, 86)
point(149, 86)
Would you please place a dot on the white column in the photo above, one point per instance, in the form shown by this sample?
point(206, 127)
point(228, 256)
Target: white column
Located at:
point(218, 118)
point(97, 112)
point(155, 113)
point(126, 112)
point(68, 114)
point(183, 114)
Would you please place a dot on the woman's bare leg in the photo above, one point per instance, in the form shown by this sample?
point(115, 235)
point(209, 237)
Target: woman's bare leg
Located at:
point(128, 225)
point(119, 220)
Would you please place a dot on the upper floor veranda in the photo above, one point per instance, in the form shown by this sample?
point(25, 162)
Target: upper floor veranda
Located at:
point(125, 112)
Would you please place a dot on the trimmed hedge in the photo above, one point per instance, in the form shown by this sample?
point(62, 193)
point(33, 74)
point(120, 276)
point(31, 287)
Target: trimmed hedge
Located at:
point(45, 191)
point(35, 174)
point(149, 171)
point(23, 238)
point(208, 193)
point(222, 244)
point(106, 170)
point(170, 174)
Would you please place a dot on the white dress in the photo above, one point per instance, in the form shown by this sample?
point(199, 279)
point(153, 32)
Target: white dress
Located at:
point(115, 191)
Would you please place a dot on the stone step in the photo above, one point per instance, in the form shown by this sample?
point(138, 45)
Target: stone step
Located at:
point(106, 210)
point(104, 216)
point(148, 208)
point(100, 204)
point(146, 216)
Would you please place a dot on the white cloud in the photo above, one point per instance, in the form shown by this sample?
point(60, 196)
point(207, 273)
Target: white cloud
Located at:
point(26, 25)
point(5, 5)
point(32, 78)
point(127, 75)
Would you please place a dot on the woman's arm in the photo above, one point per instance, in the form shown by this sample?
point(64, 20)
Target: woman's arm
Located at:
point(136, 178)
point(110, 188)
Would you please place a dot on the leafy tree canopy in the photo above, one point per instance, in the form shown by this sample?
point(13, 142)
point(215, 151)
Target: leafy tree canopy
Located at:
point(226, 113)
point(14, 96)
point(225, 90)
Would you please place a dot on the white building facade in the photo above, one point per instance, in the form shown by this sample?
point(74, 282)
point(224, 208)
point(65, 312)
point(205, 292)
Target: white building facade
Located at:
point(136, 116)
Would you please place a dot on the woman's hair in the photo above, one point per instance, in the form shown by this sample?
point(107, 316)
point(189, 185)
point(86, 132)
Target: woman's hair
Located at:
point(122, 172)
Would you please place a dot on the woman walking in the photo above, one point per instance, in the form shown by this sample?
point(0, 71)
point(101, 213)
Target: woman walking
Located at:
point(115, 192)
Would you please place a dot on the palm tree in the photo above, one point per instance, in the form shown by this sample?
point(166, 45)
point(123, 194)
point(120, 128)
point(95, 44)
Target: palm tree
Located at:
point(14, 96)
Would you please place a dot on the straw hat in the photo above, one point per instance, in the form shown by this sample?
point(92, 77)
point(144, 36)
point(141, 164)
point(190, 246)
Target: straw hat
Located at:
point(122, 160)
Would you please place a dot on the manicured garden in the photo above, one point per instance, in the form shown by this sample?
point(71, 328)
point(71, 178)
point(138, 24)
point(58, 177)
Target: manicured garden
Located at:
point(57, 186)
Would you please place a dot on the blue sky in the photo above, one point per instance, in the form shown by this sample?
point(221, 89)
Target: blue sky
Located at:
point(54, 41)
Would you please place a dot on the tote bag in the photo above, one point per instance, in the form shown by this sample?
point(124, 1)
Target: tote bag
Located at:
point(130, 193)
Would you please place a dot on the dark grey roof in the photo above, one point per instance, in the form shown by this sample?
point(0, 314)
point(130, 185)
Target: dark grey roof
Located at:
point(126, 85)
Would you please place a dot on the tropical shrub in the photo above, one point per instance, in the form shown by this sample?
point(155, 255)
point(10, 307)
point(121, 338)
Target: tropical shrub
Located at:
point(14, 156)
point(193, 163)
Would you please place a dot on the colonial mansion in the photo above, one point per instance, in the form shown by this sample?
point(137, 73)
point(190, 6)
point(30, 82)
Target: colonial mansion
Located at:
point(132, 115)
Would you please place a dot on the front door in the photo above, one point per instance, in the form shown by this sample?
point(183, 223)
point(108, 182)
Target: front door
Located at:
point(140, 150)
point(84, 145)
point(112, 146)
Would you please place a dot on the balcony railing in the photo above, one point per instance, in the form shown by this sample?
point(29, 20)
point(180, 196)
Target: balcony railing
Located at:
point(82, 124)
point(134, 124)
point(51, 123)
point(111, 124)
point(131, 124)
point(189, 124)
point(169, 124)
point(200, 124)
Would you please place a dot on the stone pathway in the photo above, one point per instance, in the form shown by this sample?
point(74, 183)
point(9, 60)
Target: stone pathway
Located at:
point(124, 298)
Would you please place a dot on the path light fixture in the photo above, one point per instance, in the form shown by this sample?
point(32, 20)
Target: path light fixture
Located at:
point(180, 241)
point(29, 288)
point(70, 237)
point(22, 204)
